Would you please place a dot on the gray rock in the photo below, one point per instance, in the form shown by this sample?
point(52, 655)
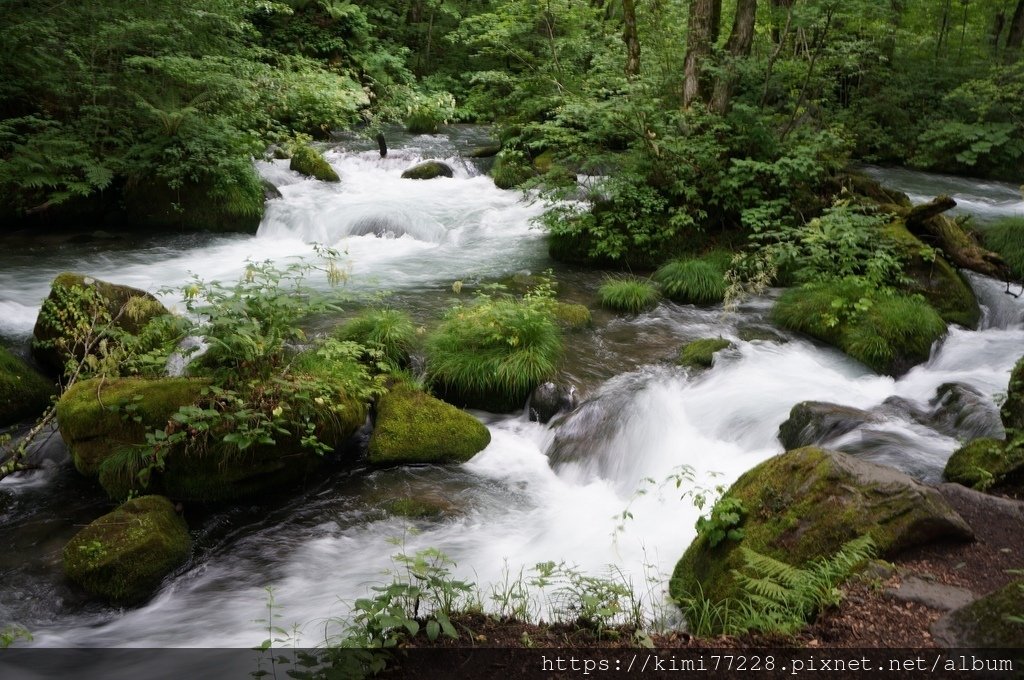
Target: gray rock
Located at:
point(550, 399)
point(930, 594)
point(270, 192)
point(816, 422)
point(962, 411)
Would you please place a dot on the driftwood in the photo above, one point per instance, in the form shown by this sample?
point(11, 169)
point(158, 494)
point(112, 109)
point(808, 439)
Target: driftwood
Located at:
point(927, 222)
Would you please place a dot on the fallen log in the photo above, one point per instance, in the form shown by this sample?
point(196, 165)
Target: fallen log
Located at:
point(927, 222)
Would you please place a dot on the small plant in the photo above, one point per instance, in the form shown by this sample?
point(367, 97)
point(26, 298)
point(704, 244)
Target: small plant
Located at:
point(696, 281)
point(631, 295)
point(11, 633)
point(723, 522)
point(388, 331)
point(595, 603)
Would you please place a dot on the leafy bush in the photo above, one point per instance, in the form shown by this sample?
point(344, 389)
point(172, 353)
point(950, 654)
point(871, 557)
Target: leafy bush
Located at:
point(492, 352)
point(630, 295)
point(884, 330)
point(1006, 237)
point(389, 332)
point(694, 281)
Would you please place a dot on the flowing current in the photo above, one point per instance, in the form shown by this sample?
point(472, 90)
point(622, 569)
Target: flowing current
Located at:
point(537, 493)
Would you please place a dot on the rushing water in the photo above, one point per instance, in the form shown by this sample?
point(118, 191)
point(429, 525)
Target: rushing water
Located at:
point(537, 493)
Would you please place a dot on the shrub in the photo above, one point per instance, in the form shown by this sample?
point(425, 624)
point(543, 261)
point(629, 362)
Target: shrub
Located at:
point(631, 295)
point(388, 331)
point(494, 351)
point(1006, 237)
point(887, 332)
point(696, 281)
point(421, 122)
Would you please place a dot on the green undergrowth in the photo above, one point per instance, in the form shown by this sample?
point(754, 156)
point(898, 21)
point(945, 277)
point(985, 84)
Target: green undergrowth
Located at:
point(699, 281)
point(388, 331)
point(1006, 237)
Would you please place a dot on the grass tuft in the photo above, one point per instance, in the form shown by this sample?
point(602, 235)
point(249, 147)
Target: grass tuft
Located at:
point(696, 281)
point(388, 331)
point(630, 295)
point(1006, 237)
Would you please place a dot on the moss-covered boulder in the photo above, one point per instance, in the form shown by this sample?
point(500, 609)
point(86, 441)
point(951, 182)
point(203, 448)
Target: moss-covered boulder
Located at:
point(484, 151)
point(309, 162)
point(991, 622)
point(935, 279)
point(987, 464)
point(124, 555)
point(701, 353)
point(428, 170)
point(98, 418)
point(24, 393)
point(805, 504)
point(816, 422)
point(1012, 411)
point(414, 427)
point(76, 301)
point(572, 316)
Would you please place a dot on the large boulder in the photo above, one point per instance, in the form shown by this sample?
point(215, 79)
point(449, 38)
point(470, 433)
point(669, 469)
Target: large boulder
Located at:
point(816, 422)
point(991, 622)
point(77, 301)
point(24, 393)
point(428, 170)
point(987, 463)
point(309, 162)
point(414, 427)
point(124, 555)
point(805, 504)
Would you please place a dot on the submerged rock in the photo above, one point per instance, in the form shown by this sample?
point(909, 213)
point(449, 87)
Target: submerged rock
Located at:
point(701, 353)
point(75, 299)
point(270, 192)
point(24, 393)
point(805, 504)
point(414, 427)
point(962, 411)
point(428, 170)
point(124, 555)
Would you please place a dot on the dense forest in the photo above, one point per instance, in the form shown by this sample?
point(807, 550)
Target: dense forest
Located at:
point(607, 178)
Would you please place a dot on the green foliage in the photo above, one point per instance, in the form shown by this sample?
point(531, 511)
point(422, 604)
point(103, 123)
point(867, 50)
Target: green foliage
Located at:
point(696, 281)
point(421, 122)
point(11, 633)
point(495, 350)
point(592, 602)
point(631, 295)
point(701, 353)
point(24, 394)
point(389, 332)
point(723, 522)
point(776, 597)
point(884, 330)
point(1006, 237)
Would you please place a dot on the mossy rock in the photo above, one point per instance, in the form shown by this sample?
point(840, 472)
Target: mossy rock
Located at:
point(935, 279)
point(423, 507)
point(309, 162)
point(485, 151)
point(572, 316)
point(1012, 411)
point(986, 463)
point(804, 505)
point(991, 622)
point(428, 170)
point(701, 353)
point(414, 427)
point(98, 418)
point(237, 206)
point(815, 422)
point(24, 393)
point(124, 555)
point(76, 298)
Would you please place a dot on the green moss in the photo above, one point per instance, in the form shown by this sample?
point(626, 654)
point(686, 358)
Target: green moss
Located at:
point(692, 281)
point(76, 300)
point(124, 555)
point(98, 418)
point(387, 331)
point(307, 161)
point(428, 170)
point(572, 316)
point(984, 463)
point(888, 334)
point(701, 353)
point(485, 151)
point(1012, 411)
point(993, 621)
point(413, 427)
point(630, 295)
point(935, 279)
point(418, 508)
point(24, 393)
point(805, 504)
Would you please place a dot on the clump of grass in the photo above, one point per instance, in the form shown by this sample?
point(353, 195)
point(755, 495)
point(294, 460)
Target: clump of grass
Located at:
point(888, 333)
point(701, 353)
point(696, 281)
point(1006, 237)
point(388, 331)
point(630, 295)
point(421, 122)
point(572, 316)
point(491, 353)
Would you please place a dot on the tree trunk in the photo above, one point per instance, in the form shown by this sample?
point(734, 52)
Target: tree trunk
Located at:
point(740, 41)
point(698, 46)
point(998, 24)
point(631, 38)
point(777, 33)
point(943, 28)
point(1015, 37)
